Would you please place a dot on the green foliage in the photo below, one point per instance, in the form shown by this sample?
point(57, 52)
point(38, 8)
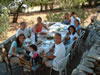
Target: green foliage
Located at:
point(3, 21)
point(54, 17)
point(57, 17)
point(70, 3)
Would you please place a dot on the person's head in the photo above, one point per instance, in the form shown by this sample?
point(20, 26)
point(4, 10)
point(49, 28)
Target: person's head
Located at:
point(22, 25)
point(20, 39)
point(76, 22)
point(74, 14)
point(33, 47)
point(39, 19)
point(72, 29)
point(57, 38)
point(67, 15)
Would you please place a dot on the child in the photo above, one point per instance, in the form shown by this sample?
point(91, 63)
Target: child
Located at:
point(77, 26)
point(33, 55)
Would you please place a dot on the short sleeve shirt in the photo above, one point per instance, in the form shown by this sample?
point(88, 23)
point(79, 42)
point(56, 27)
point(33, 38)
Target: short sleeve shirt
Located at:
point(59, 53)
point(14, 45)
point(72, 20)
point(25, 32)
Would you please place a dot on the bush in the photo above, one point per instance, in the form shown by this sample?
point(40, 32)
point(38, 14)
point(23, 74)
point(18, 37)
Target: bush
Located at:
point(3, 21)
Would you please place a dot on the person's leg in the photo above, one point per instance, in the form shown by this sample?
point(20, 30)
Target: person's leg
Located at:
point(54, 72)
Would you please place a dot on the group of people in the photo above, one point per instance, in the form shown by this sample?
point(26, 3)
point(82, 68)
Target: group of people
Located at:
point(56, 53)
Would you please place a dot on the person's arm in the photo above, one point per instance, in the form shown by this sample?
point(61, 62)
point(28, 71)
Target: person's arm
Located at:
point(34, 29)
point(17, 32)
point(75, 36)
point(79, 31)
point(50, 57)
point(62, 20)
point(51, 49)
point(45, 26)
point(67, 36)
point(13, 51)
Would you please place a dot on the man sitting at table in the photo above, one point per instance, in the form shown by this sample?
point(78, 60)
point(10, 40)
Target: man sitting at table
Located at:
point(58, 52)
point(23, 30)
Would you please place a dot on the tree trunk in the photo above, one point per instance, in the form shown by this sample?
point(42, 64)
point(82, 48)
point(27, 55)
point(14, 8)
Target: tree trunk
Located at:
point(15, 18)
point(51, 6)
point(41, 5)
point(46, 7)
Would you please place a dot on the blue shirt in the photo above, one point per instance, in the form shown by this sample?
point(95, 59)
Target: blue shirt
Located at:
point(14, 45)
point(65, 22)
point(77, 27)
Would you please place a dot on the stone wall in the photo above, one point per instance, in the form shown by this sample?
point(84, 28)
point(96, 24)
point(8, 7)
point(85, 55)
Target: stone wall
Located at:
point(6, 44)
point(85, 53)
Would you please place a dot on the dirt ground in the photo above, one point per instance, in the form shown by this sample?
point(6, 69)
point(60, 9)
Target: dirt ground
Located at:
point(30, 19)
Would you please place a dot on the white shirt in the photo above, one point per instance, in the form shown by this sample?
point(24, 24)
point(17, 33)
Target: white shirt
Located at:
point(59, 52)
point(71, 36)
point(25, 32)
point(72, 20)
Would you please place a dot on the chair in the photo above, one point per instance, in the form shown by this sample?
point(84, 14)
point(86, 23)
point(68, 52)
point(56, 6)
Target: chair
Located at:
point(28, 66)
point(61, 65)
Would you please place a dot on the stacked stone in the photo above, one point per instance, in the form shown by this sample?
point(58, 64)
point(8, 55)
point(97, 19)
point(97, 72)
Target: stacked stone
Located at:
point(90, 61)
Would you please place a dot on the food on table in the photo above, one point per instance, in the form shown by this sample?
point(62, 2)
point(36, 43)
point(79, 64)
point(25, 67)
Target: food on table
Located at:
point(39, 42)
point(43, 33)
point(50, 37)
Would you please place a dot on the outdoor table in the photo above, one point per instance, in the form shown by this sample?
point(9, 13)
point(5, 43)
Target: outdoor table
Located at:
point(46, 44)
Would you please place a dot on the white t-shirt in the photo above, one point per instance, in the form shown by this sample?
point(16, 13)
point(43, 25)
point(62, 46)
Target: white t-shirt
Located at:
point(25, 32)
point(71, 36)
point(72, 20)
point(59, 52)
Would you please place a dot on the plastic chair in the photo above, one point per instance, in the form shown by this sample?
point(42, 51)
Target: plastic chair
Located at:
point(61, 65)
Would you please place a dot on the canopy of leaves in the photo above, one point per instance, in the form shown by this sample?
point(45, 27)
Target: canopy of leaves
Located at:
point(70, 3)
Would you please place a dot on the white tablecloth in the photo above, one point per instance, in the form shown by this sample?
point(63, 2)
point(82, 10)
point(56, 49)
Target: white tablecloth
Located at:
point(56, 28)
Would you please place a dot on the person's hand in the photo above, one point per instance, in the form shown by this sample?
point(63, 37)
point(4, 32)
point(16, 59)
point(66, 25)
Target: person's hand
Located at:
point(68, 33)
point(75, 38)
point(42, 54)
point(51, 50)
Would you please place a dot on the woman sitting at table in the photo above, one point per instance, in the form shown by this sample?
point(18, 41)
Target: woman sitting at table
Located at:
point(16, 47)
point(77, 26)
point(66, 19)
point(70, 36)
point(38, 27)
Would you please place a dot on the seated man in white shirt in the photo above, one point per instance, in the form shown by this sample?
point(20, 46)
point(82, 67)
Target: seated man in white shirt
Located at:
point(23, 30)
point(73, 17)
point(59, 52)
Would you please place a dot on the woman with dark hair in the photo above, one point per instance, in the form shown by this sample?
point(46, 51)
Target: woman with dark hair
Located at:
point(77, 26)
point(71, 35)
point(66, 19)
point(16, 45)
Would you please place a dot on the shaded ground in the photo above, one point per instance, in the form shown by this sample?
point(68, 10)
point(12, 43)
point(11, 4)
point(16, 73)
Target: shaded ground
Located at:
point(17, 71)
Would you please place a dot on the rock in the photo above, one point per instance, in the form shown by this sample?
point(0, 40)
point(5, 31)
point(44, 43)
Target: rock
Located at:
point(91, 60)
point(84, 68)
point(87, 63)
point(78, 72)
